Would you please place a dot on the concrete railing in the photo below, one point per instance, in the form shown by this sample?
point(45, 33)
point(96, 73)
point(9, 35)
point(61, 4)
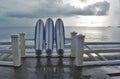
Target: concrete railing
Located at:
point(13, 50)
point(78, 49)
point(77, 46)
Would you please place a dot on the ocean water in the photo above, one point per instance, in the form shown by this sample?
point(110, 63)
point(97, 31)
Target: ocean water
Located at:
point(111, 34)
point(92, 34)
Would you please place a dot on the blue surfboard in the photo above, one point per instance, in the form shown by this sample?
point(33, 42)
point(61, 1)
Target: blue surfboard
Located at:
point(59, 36)
point(39, 37)
point(49, 36)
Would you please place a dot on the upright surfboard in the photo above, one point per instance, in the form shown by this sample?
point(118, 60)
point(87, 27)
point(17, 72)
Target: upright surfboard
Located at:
point(39, 37)
point(59, 36)
point(49, 36)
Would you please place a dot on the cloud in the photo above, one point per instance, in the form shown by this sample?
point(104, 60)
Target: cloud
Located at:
point(56, 8)
point(26, 12)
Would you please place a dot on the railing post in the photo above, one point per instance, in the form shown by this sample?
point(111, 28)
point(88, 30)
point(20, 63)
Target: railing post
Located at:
point(79, 50)
point(15, 51)
point(73, 43)
point(22, 44)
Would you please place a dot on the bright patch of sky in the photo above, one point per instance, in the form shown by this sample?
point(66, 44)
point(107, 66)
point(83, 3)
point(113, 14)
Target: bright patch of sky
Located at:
point(82, 3)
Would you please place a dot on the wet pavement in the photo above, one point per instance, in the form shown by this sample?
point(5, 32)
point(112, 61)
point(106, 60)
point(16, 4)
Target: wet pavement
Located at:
point(51, 68)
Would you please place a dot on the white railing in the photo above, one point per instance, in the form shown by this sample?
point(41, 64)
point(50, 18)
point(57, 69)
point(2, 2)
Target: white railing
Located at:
point(78, 48)
point(13, 50)
point(79, 44)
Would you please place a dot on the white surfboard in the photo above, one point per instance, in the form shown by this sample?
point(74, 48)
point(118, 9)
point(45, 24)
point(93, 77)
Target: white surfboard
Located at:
point(59, 36)
point(39, 37)
point(49, 36)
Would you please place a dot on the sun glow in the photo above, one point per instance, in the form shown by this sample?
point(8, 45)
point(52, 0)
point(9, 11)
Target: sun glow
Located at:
point(90, 21)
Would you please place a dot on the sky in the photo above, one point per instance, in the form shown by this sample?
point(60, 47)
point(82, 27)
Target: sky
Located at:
point(73, 12)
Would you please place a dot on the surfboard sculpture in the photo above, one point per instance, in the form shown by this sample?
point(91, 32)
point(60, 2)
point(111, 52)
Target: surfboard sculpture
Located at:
point(49, 36)
point(39, 37)
point(59, 36)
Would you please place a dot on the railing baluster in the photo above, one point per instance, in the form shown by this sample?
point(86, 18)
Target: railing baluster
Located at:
point(73, 43)
point(16, 51)
point(22, 44)
point(79, 50)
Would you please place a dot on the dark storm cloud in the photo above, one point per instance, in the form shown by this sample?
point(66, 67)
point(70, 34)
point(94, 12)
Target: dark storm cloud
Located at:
point(50, 8)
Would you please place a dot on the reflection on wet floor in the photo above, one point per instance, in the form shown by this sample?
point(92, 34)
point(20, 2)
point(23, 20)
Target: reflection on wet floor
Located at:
point(58, 70)
point(43, 68)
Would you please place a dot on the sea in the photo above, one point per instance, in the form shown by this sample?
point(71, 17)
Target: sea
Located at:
point(92, 34)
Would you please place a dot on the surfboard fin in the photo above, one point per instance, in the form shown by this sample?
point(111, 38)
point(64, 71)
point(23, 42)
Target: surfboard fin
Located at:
point(38, 52)
point(60, 52)
point(49, 52)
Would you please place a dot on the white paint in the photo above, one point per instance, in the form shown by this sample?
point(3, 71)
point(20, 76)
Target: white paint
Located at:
point(39, 35)
point(16, 51)
point(22, 44)
point(49, 29)
point(73, 43)
point(79, 50)
point(59, 34)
